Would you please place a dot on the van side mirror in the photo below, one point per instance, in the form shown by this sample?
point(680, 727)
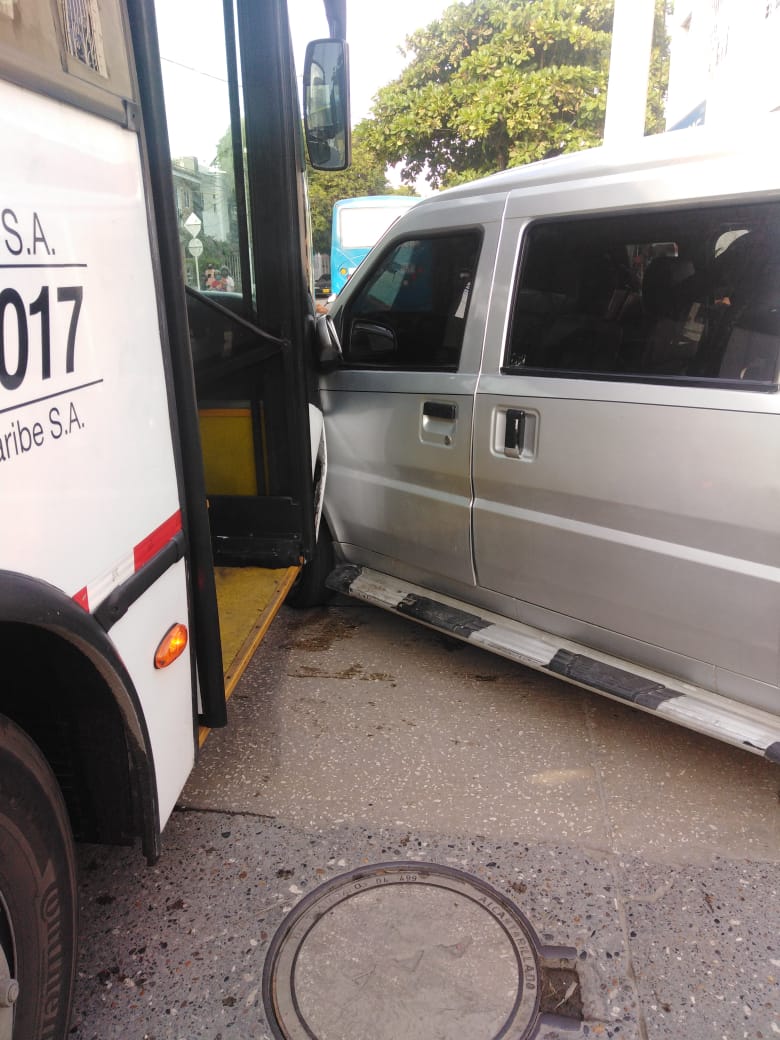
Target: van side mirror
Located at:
point(329, 355)
point(372, 342)
point(326, 104)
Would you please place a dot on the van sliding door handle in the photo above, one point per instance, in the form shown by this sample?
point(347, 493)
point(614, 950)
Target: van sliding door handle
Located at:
point(440, 410)
point(514, 434)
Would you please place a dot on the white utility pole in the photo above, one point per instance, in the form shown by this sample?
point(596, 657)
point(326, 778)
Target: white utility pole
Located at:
point(629, 70)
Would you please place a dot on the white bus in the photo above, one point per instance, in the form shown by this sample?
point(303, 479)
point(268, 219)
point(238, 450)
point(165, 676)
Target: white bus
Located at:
point(145, 433)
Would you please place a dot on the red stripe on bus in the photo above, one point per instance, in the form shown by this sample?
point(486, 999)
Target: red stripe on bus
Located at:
point(157, 540)
point(82, 598)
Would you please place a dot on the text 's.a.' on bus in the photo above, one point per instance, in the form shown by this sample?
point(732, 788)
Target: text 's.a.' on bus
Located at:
point(155, 420)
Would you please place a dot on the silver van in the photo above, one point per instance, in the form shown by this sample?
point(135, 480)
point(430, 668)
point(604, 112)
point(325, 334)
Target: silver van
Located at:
point(553, 429)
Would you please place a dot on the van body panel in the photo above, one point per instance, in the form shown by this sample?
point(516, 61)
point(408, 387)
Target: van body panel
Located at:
point(394, 486)
point(604, 521)
point(399, 442)
point(691, 157)
point(633, 510)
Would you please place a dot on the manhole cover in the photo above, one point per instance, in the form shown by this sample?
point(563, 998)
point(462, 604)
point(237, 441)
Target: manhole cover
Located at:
point(401, 950)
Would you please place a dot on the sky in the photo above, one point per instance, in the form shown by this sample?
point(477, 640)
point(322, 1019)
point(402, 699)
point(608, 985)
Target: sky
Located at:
point(192, 52)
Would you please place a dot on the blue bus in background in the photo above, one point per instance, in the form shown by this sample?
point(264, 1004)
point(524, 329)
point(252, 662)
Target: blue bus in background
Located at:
point(357, 225)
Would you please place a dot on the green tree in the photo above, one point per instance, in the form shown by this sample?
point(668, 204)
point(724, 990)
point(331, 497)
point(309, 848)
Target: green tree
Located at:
point(365, 176)
point(497, 83)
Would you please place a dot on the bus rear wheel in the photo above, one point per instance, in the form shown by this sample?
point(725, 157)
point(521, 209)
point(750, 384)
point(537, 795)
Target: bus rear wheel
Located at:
point(38, 894)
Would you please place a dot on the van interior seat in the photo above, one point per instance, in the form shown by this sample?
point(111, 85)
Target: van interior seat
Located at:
point(571, 325)
point(670, 310)
point(743, 333)
point(588, 338)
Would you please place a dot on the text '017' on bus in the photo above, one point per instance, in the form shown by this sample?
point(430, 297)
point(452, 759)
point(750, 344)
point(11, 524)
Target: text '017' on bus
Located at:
point(157, 417)
point(357, 226)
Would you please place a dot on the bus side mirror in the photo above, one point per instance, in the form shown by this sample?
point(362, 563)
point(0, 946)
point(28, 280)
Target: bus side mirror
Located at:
point(326, 104)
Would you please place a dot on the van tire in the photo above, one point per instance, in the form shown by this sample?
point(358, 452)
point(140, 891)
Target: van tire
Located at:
point(309, 588)
point(38, 891)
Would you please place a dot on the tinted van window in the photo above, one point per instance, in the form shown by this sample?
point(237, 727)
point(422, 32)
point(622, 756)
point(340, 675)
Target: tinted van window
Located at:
point(411, 311)
point(682, 296)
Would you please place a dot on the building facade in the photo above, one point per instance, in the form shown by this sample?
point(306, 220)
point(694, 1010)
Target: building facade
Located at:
point(724, 65)
point(205, 191)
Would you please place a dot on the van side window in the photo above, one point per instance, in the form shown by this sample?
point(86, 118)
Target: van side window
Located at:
point(411, 311)
point(687, 296)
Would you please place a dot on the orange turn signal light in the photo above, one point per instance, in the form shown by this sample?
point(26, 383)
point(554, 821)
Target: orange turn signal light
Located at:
point(172, 645)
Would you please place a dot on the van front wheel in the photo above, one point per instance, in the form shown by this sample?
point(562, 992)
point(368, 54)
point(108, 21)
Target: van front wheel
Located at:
point(309, 588)
point(38, 894)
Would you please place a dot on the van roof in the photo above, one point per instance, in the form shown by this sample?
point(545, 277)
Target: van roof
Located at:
point(761, 135)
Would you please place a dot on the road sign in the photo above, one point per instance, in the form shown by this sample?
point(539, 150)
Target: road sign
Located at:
point(195, 247)
point(193, 224)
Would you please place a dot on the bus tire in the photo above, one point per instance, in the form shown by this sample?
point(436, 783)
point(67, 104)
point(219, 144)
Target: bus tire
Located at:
point(309, 588)
point(38, 891)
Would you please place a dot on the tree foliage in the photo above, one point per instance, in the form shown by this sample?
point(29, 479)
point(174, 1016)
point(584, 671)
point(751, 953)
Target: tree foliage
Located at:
point(497, 83)
point(365, 176)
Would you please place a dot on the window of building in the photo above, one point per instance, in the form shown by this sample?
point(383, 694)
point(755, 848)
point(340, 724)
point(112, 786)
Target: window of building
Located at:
point(682, 296)
point(83, 35)
point(411, 311)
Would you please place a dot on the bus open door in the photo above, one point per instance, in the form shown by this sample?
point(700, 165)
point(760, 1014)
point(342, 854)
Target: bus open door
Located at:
point(122, 485)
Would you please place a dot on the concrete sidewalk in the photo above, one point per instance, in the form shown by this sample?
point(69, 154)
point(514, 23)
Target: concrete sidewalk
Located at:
point(358, 738)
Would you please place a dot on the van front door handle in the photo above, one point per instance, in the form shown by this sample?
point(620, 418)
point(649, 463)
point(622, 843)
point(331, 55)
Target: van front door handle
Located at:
point(440, 410)
point(438, 422)
point(514, 433)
